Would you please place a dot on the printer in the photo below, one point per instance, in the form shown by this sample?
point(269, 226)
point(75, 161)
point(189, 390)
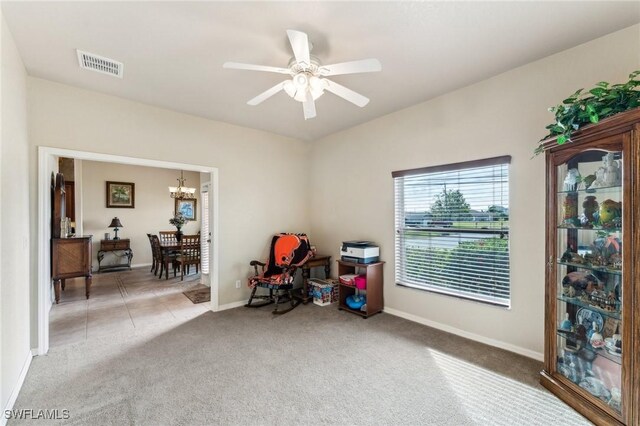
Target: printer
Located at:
point(360, 252)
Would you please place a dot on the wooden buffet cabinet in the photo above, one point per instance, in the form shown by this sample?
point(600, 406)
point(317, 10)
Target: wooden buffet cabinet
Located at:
point(70, 257)
point(592, 293)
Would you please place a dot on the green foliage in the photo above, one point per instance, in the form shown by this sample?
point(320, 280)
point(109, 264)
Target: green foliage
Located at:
point(475, 256)
point(178, 220)
point(450, 205)
point(583, 108)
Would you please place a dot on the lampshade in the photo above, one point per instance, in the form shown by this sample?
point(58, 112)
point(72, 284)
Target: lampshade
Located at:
point(115, 223)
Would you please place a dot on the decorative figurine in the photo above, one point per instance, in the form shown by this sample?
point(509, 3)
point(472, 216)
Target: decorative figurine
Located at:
point(581, 333)
point(596, 339)
point(582, 282)
point(607, 175)
point(599, 181)
point(617, 288)
point(608, 212)
point(612, 173)
point(576, 258)
point(615, 261)
point(566, 324)
point(589, 258)
point(566, 256)
point(570, 257)
point(569, 291)
point(589, 207)
point(571, 180)
point(603, 301)
point(587, 181)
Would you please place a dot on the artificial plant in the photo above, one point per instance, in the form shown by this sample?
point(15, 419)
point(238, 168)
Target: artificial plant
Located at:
point(583, 108)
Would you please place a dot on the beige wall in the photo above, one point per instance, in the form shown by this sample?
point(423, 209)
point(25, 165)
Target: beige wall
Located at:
point(153, 205)
point(505, 115)
point(263, 177)
point(14, 223)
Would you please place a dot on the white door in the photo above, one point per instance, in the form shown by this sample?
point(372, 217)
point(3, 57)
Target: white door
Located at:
point(205, 233)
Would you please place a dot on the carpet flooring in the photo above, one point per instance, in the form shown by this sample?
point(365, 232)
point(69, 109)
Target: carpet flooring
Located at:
point(314, 365)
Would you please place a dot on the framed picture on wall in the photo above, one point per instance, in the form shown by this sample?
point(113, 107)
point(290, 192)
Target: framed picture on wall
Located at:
point(121, 195)
point(186, 207)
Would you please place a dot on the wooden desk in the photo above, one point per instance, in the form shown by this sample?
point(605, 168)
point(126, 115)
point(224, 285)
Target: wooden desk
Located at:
point(106, 246)
point(316, 261)
point(71, 257)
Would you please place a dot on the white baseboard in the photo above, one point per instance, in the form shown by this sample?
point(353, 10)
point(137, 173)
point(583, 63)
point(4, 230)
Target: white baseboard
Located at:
point(231, 305)
point(16, 389)
point(140, 265)
point(538, 356)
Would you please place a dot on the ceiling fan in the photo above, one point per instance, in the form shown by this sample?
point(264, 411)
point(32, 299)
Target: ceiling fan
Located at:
point(308, 82)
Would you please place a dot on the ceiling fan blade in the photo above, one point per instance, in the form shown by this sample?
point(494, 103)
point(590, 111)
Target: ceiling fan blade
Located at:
point(347, 94)
point(267, 94)
point(251, 67)
point(300, 46)
point(353, 67)
point(309, 107)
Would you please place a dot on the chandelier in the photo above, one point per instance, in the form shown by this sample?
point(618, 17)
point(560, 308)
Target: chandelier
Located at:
point(182, 191)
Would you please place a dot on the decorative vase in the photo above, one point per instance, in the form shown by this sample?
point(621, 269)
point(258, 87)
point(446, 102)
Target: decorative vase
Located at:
point(570, 210)
point(590, 206)
point(178, 235)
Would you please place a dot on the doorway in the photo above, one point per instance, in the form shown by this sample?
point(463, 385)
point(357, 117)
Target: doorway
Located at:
point(47, 163)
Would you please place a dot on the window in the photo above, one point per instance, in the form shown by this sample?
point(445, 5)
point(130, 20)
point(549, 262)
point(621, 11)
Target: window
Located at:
point(452, 229)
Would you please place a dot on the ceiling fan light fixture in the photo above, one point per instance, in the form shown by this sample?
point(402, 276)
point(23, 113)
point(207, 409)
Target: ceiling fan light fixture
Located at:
point(301, 95)
point(289, 87)
point(301, 81)
point(307, 82)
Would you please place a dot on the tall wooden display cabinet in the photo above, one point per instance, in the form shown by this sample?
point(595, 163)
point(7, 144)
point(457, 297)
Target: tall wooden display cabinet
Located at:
point(592, 321)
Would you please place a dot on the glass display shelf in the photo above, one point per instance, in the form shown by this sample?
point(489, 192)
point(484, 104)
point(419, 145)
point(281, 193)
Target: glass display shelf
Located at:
point(600, 190)
point(592, 267)
point(576, 301)
point(595, 228)
point(603, 352)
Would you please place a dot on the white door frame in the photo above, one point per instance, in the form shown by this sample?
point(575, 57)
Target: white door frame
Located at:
point(45, 157)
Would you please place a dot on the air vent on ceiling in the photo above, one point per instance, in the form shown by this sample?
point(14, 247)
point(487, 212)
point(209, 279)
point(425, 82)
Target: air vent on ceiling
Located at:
point(100, 64)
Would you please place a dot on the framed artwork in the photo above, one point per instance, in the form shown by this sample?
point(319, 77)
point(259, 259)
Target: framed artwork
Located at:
point(186, 207)
point(121, 195)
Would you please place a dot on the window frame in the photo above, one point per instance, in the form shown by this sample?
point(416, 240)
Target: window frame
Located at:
point(400, 261)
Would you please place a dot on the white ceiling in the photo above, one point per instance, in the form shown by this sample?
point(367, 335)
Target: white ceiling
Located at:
point(173, 51)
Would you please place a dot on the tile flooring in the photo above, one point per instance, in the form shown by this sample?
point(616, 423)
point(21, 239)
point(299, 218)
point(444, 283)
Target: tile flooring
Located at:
point(121, 302)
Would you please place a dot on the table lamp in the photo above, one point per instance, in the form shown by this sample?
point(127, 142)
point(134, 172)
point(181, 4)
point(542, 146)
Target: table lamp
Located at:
point(115, 224)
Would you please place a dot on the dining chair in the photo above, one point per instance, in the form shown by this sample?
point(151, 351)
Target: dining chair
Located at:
point(168, 237)
point(153, 257)
point(188, 255)
point(162, 258)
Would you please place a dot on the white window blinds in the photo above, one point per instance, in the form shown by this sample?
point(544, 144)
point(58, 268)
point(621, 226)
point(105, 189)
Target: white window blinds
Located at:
point(205, 233)
point(452, 229)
